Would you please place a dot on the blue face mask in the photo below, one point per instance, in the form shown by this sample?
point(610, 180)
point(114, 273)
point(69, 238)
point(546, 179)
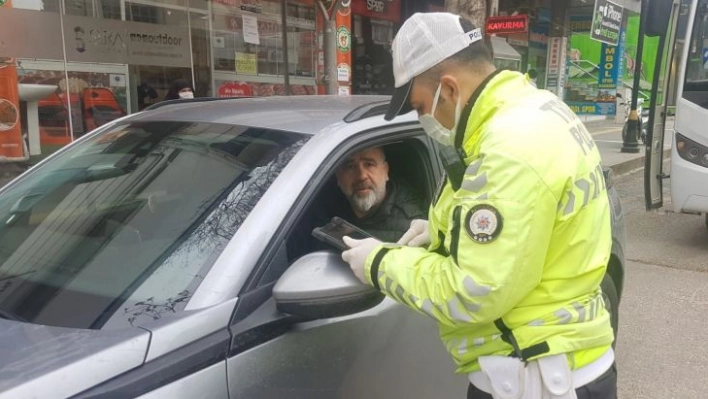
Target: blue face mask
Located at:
point(435, 129)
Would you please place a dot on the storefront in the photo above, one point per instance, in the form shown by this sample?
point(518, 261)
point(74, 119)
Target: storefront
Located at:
point(97, 60)
point(524, 24)
point(505, 31)
point(373, 28)
point(248, 52)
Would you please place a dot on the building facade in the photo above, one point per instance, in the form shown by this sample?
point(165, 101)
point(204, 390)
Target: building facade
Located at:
point(68, 66)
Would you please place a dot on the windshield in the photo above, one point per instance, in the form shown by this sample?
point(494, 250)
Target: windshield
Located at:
point(123, 227)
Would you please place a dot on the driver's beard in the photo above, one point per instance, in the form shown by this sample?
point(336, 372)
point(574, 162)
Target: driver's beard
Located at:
point(364, 203)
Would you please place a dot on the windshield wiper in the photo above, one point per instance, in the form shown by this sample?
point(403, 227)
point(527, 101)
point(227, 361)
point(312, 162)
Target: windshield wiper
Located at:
point(4, 314)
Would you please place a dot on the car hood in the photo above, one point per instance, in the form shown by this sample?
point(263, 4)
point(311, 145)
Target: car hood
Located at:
point(41, 361)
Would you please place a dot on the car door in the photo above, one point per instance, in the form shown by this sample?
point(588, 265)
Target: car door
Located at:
point(386, 351)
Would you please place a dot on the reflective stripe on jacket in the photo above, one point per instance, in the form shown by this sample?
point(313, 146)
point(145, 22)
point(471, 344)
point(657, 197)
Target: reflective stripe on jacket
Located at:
point(525, 241)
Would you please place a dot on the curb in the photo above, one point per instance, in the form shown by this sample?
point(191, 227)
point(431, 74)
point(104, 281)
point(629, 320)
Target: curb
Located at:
point(633, 164)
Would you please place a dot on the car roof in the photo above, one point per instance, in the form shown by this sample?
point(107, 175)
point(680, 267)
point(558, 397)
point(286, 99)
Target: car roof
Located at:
point(302, 114)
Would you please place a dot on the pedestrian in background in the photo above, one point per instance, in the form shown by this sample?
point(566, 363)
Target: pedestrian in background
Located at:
point(519, 235)
point(180, 89)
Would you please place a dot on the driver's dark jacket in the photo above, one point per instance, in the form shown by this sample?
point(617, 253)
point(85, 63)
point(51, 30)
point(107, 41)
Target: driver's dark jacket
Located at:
point(394, 215)
point(388, 223)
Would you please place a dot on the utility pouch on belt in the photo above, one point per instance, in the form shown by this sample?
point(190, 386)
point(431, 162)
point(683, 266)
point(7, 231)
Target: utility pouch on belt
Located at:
point(506, 377)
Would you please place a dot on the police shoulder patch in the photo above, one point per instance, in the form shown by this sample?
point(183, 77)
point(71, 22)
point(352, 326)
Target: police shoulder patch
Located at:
point(483, 223)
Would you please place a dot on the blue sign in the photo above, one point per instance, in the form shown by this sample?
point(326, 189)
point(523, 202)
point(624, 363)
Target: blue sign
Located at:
point(620, 52)
point(592, 108)
point(609, 67)
point(705, 55)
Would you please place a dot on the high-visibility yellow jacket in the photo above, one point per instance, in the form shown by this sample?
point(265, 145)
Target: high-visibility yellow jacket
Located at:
point(524, 242)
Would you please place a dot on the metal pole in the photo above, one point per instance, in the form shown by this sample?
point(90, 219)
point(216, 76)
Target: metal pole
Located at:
point(629, 141)
point(191, 48)
point(330, 49)
point(67, 92)
point(284, 19)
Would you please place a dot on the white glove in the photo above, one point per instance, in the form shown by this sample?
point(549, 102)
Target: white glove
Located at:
point(357, 254)
point(417, 235)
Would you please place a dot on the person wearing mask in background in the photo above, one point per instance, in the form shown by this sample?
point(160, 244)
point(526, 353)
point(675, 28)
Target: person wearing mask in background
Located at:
point(180, 89)
point(519, 236)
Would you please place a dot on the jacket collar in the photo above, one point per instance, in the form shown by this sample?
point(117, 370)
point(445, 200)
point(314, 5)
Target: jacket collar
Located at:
point(483, 103)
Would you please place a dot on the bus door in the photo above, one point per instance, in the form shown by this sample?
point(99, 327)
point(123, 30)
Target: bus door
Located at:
point(661, 22)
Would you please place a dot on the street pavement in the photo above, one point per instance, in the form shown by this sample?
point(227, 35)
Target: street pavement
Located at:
point(661, 350)
point(608, 138)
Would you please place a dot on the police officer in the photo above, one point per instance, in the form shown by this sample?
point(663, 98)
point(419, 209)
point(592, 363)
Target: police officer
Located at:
point(519, 236)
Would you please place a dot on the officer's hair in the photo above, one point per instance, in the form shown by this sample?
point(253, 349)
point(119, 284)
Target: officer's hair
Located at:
point(477, 56)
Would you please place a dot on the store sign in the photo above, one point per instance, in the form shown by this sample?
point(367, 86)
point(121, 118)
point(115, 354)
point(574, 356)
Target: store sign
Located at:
point(343, 21)
point(580, 23)
point(510, 24)
point(389, 10)
point(124, 42)
point(590, 108)
point(555, 71)
point(158, 45)
point(235, 89)
point(376, 5)
point(344, 39)
point(606, 22)
point(95, 40)
point(609, 66)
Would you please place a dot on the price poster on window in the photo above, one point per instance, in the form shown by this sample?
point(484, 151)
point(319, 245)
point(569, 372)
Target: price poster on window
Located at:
point(246, 64)
point(250, 29)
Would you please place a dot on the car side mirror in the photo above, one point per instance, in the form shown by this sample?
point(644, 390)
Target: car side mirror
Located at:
point(321, 285)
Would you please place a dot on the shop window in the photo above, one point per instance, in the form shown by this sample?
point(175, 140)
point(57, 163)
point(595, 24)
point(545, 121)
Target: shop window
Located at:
point(141, 13)
point(248, 50)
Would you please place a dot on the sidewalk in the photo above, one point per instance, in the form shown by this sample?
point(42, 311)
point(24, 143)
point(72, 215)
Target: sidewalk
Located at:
point(608, 137)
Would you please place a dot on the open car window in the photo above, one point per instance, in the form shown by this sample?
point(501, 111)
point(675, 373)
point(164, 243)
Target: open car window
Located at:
point(124, 226)
point(410, 164)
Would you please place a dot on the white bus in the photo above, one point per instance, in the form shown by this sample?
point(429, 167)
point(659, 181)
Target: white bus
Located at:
point(689, 153)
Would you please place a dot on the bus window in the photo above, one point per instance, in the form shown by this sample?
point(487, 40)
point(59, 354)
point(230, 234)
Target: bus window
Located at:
point(696, 82)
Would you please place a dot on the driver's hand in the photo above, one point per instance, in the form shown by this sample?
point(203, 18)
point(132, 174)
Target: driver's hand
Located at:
point(417, 235)
point(357, 253)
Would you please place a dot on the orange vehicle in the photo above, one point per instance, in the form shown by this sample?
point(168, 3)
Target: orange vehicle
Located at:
point(93, 107)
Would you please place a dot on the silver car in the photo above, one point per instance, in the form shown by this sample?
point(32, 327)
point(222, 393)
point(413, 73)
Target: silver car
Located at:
point(168, 254)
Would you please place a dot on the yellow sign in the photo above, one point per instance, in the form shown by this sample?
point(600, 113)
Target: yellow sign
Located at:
point(246, 64)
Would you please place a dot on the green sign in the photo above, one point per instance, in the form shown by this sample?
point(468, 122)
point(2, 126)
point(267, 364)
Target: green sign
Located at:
point(606, 22)
point(343, 39)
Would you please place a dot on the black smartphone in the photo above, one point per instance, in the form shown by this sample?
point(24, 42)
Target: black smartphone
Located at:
point(333, 232)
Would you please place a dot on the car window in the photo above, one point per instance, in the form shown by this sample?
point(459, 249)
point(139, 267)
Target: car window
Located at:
point(125, 225)
point(410, 164)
